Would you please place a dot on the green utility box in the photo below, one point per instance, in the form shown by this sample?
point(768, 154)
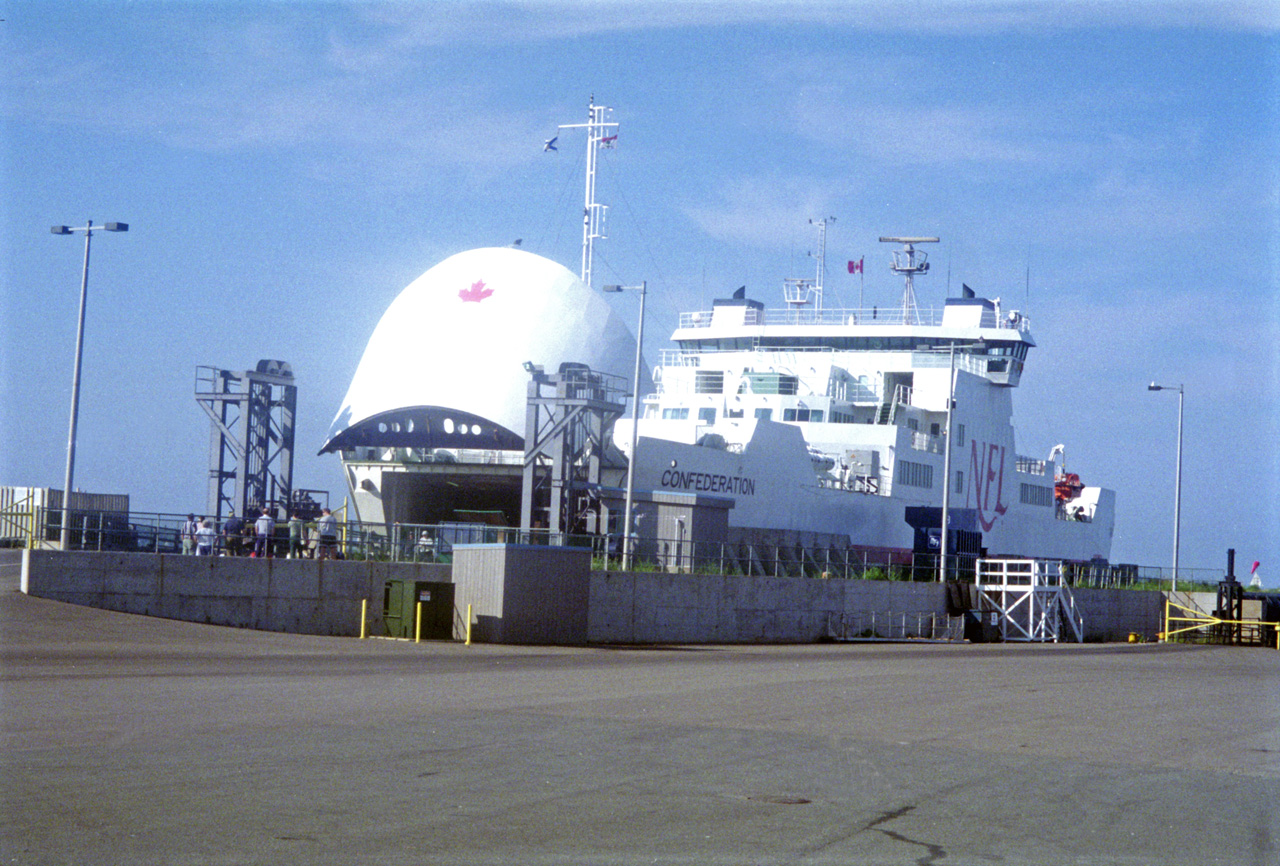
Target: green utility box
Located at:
point(400, 604)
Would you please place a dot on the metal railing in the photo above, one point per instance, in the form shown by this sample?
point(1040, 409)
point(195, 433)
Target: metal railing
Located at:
point(158, 532)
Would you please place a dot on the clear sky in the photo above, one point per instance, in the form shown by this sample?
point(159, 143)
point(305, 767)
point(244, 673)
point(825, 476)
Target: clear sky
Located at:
point(286, 168)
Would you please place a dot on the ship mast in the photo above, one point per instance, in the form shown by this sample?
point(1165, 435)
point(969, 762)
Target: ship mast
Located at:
point(599, 134)
point(908, 261)
point(822, 255)
point(795, 290)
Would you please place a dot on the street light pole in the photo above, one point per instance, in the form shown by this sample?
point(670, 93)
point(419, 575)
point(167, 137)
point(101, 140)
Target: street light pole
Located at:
point(946, 468)
point(635, 415)
point(88, 230)
point(1177, 485)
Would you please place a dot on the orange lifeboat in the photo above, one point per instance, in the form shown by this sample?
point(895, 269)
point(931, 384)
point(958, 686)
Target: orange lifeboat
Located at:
point(1067, 486)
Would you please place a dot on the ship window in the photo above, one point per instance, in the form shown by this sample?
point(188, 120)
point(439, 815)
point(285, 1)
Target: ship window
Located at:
point(915, 474)
point(959, 435)
point(708, 382)
point(680, 414)
point(816, 415)
point(803, 415)
point(773, 383)
point(959, 482)
point(706, 416)
point(764, 414)
point(913, 424)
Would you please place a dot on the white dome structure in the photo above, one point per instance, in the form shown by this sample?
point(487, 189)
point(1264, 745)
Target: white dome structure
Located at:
point(445, 367)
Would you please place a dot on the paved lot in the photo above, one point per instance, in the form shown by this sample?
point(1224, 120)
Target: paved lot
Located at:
point(135, 740)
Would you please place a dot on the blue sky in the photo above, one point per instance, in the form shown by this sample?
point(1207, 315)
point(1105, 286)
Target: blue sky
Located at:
point(287, 168)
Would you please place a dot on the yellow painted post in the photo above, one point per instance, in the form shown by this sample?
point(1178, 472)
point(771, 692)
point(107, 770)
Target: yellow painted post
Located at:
point(417, 624)
point(364, 618)
point(468, 625)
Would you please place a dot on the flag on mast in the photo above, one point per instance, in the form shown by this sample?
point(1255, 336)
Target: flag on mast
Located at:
point(1257, 578)
point(855, 267)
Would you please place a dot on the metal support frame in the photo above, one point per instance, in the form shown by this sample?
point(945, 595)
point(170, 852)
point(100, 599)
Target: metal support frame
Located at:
point(1031, 599)
point(565, 441)
point(251, 436)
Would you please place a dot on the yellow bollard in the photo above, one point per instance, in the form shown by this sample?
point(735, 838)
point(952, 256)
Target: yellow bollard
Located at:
point(417, 624)
point(468, 625)
point(364, 618)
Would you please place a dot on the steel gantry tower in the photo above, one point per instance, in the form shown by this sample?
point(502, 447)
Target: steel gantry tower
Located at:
point(251, 438)
point(565, 444)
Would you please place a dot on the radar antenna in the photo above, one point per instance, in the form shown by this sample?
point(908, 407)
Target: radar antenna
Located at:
point(909, 261)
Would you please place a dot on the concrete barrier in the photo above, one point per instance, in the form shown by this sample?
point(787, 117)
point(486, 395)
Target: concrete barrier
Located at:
point(519, 594)
point(660, 607)
point(299, 595)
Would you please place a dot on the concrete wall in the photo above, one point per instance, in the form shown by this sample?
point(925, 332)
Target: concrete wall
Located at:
point(656, 607)
point(1114, 614)
point(293, 595)
point(519, 594)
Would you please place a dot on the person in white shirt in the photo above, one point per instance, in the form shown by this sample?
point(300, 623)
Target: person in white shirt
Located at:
point(205, 536)
point(265, 528)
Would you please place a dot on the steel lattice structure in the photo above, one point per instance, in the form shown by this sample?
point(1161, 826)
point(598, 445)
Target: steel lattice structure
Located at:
point(251, 437)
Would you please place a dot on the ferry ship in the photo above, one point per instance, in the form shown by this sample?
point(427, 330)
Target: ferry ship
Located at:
point(863, 428)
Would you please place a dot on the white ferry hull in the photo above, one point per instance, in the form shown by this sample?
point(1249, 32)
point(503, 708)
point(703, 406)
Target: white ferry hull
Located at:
point(775, 490)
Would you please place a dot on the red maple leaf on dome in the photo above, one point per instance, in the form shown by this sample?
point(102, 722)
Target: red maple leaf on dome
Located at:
point(478, 292)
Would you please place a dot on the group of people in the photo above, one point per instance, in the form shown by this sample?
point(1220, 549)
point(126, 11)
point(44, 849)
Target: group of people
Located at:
point(200, 538)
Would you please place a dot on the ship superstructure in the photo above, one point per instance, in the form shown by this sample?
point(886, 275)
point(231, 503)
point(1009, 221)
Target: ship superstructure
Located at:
point(830, 426)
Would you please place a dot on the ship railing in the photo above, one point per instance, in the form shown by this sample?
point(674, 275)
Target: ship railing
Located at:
point(1074, 513)
point(471, 456)
point(1032, 466)
point(928, 316)
point(927, 442)
point(836, 316)
point(870, 485)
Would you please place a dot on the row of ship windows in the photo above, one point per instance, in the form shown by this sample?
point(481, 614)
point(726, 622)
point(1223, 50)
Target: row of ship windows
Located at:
point(1017, 349)
point(707, 415)
point(921, 475)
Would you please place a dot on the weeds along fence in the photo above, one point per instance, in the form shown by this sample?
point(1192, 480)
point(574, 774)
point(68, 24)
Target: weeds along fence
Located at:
point(157, 532)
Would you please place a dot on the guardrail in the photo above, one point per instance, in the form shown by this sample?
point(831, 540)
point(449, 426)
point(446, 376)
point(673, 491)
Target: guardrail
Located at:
point(158, 532)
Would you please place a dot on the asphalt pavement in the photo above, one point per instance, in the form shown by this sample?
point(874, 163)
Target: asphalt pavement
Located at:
point(132, 740)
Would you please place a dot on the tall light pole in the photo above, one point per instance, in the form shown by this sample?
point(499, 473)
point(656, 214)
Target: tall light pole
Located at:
point(88, 230)
point(1177, 485)
point(946, 467)
point(635, 415)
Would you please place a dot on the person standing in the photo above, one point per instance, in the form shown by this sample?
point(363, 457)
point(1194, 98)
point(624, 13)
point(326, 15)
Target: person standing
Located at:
point(189, 535)
point(327, 526)
point(205, 537)
point(295, 536)
point(266, 527)
point(232, 531)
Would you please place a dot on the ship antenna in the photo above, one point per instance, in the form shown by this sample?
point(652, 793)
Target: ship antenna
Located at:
point(599, 134)
point(822, 256)
point(909, 261)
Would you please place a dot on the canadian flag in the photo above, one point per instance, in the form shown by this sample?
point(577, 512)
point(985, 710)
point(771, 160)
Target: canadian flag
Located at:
point(855, 267)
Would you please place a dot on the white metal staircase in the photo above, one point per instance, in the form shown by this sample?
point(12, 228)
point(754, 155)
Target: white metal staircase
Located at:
point(1030, 600)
